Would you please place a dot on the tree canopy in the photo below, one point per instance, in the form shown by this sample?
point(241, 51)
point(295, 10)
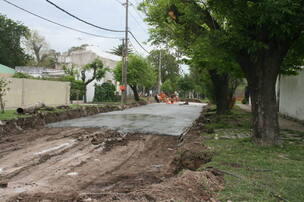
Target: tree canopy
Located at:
point(119, 50)
point(98, 71)
point(260, 38)
point(11, 35)
point(140, 73)
point(169, 64)
point(39, 49)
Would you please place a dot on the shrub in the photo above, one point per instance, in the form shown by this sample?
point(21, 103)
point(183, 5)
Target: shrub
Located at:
point(105, 93)
point(20, 75)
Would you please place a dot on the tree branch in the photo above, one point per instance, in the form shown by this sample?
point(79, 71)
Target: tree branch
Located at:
point(93, 77)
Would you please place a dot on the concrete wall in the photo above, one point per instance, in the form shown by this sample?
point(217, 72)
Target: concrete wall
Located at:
point(292, 96)
point(27, 92)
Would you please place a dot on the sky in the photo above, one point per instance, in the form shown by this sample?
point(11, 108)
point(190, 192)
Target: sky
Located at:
point(104, 13)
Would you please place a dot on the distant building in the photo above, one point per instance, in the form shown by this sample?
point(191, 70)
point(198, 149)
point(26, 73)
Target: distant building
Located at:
point(79, 58)
point(6, 71)
point(40, 72)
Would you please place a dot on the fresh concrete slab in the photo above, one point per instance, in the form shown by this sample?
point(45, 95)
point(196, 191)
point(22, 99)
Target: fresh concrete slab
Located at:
point(163, 119)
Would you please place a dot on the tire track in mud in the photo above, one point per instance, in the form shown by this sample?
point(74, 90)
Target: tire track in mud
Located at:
point(106, 166)
point(43, 165)
point(23, 168)
point(36, 162)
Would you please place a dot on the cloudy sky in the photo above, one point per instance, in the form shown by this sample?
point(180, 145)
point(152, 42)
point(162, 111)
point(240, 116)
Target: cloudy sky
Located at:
point(104, 13)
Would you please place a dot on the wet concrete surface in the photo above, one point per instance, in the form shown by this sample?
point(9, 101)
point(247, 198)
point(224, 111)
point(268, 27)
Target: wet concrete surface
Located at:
point(163, 119)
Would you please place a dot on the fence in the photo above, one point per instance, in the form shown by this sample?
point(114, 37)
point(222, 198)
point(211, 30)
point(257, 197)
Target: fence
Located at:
point(292, 96)
point(27, 92)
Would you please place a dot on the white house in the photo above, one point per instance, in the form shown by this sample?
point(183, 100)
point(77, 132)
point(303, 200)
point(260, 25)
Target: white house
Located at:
point(79, 58)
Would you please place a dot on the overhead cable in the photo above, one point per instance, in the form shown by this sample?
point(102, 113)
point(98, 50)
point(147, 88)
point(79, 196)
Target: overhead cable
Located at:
point(84, 21)
point(134, 48)
point(137, 22)
point(56, 23)
point(138, 42)
point(96, 26)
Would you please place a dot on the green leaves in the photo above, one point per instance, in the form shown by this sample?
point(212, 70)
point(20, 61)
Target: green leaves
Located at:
point(119, 50)
point(11, 35)
point(105, 93)
point(98, 70)
point(169, 64)
point(140, 72)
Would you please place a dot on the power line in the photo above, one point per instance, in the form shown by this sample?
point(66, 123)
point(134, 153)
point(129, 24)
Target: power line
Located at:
point(61, 25)
point(137, 22)
point(138, 42)
point(106, 29)
point(86, 22)
point(119, 2)
point(134, 48)
point(138, 13)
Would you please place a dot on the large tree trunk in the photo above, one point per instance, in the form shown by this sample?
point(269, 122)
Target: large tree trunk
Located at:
point(222, 97)
point(262, 76)
point(264, 109)
point(135, 92)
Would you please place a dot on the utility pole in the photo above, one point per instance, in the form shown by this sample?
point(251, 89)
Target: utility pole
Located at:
point(122, 69)
point(125, 66)
point(159, 72)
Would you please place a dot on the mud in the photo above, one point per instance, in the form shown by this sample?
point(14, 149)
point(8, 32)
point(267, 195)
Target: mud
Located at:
point(80, 160)
point(90, 164)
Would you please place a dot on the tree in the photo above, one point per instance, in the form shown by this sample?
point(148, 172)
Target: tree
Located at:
point(38, 47)
point(168, 87)
point(98, 71)
point(186, 85)
point(11, 35)
point(264, 37)
point(140, 73)
point(197, 49)
point(169, 64)
point(3, 90)
point(119, 50)
point(71, 71)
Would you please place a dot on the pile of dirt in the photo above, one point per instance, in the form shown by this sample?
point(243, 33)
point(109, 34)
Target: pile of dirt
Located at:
point(191, 186)
point(107, 139)
point(192, 154)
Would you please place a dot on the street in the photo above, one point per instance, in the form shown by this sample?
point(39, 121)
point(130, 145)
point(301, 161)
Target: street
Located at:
point(162, 119)
point(82, 157)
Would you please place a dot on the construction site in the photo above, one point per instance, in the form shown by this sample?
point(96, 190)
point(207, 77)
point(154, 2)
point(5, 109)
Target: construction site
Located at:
point(151, 100)
point(129, 155)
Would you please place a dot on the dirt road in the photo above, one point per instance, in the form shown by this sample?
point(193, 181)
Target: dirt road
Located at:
point(96, 164)
point(82, 161)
